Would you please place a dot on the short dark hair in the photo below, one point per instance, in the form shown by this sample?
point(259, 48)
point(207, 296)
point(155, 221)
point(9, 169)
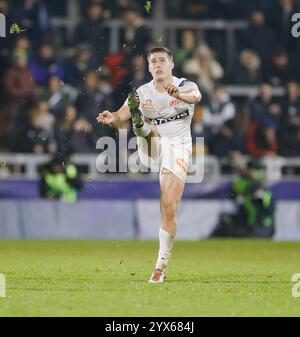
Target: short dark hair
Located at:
point(160, 50)
point(132, 8)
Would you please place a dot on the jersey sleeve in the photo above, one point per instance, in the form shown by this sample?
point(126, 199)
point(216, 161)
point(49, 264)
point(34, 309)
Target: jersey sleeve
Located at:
point(187, 84)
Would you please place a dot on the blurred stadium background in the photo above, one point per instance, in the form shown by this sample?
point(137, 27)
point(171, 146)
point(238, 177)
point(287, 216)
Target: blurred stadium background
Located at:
point(74, 58)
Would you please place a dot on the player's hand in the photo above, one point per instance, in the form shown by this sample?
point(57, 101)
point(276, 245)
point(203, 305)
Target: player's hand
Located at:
point(172, 90)
point(106, 117)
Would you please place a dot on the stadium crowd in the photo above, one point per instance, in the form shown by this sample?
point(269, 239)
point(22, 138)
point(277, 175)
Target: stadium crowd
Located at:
point(49, 98)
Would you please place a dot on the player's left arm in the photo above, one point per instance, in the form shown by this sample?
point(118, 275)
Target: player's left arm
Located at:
point(188, 93)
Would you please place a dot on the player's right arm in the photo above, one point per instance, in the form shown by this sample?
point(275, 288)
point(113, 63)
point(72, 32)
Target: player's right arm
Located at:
point(114, 119)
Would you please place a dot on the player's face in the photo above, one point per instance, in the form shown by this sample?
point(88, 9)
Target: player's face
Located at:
point(160, 66)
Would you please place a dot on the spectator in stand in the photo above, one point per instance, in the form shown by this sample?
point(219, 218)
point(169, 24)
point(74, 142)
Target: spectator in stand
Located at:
point(281, 70)
point(261, 139)
point(83, 138)
point(290, 123)
point(173, 9)
point(55, 96)
point(117, 7)
point(18, 91)
point(117, 67)
point(186, 51)
point(259, 37)
point(248, 7)
point(91, 31)
point(33, 17)
point(265, 107)
point(249, 71)
point(22, 46)
point(265, 117)
point(45, 65)
point(204, 68)
point(74, 135)
point(134, 36)
point(139, 71)
point(18, 81)
point(219, 125)
point(39, 136)
point(92, 99)
point(76, 67)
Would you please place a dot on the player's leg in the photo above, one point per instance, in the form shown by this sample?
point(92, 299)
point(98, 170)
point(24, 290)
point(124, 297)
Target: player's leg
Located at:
point(149, 149)
point(148, 139)
point(171, 189)
point(141, 127)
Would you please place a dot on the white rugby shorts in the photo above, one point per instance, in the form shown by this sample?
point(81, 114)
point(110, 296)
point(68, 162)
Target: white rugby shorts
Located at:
point(173, 156)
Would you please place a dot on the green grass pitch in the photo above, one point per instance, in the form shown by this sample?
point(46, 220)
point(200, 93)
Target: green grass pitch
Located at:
point(110, 278)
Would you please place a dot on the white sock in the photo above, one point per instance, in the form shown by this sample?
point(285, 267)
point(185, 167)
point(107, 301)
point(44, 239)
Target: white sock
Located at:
point(165, 246)
point(143, 131)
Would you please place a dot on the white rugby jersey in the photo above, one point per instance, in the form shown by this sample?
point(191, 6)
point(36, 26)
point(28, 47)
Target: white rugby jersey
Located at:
point(171, 116)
